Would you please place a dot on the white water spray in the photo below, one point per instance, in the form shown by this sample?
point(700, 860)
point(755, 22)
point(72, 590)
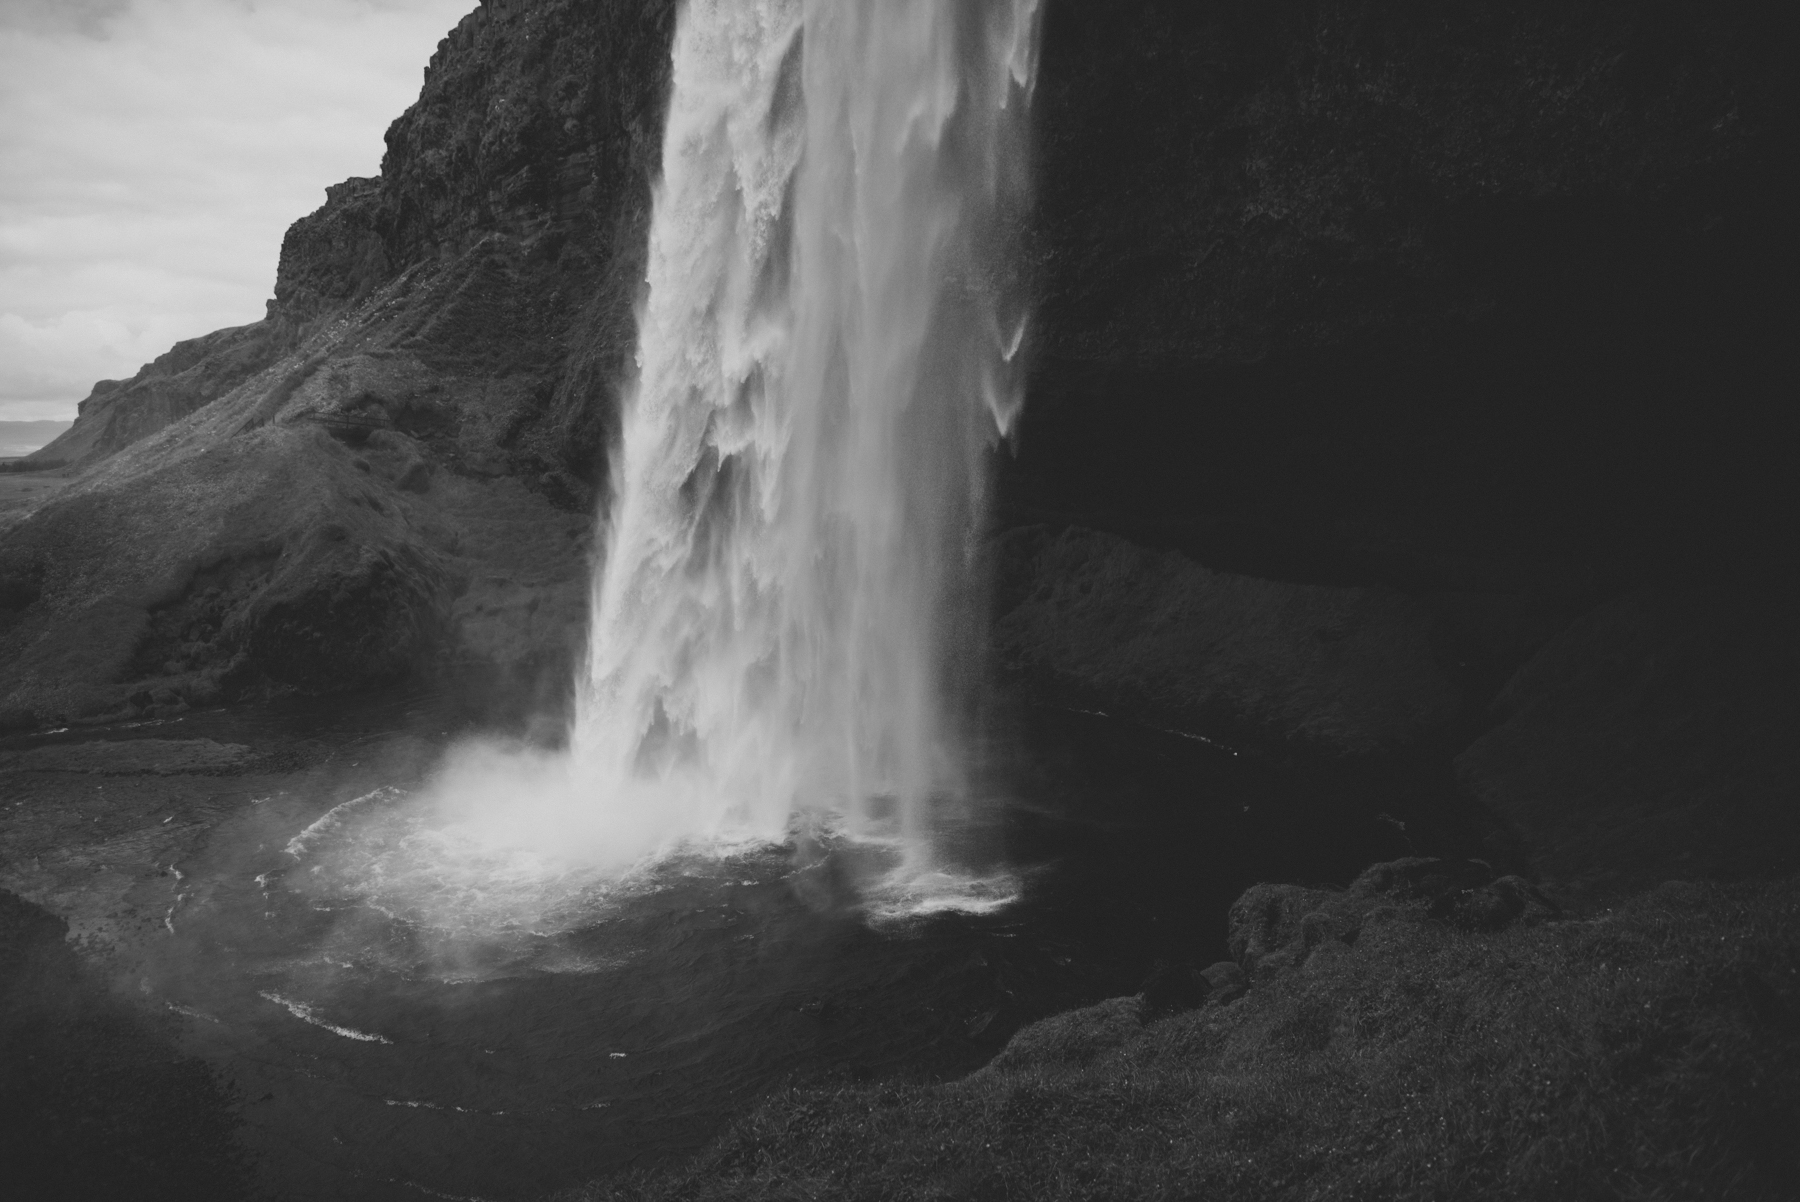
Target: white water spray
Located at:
point(786, 618)
point(785, 630)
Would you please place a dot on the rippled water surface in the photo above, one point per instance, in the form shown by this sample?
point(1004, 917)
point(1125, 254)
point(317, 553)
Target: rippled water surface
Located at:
point(402, 1018)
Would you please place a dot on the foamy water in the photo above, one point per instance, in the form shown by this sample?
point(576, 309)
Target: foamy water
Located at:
point(788, 615)
point(786, 629)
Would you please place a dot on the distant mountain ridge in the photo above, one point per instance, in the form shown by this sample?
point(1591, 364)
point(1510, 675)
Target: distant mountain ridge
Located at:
point(18, 439)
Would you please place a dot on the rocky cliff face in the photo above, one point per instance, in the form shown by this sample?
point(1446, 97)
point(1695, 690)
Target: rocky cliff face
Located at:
point(1438, 295)
point(1280, 177)
point(394, 472)
point(523, 169)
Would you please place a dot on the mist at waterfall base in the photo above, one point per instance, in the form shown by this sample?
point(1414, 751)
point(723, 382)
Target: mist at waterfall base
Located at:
point(392, 1029)
point(785, 835)
point(786, 629)
point(777, 754)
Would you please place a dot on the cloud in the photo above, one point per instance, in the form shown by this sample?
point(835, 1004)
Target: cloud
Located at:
point(153, 152)
point(86, 17)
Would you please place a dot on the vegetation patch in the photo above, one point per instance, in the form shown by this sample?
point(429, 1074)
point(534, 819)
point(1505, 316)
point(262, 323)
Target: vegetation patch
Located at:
point(190, 633)
point(1652, 1052)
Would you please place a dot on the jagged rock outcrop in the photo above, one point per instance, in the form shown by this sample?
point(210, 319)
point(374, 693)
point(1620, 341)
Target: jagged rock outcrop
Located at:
point(333, 257)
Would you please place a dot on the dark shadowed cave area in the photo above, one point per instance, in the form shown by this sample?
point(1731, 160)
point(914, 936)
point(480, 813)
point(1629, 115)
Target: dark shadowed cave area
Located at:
point(1392, 644)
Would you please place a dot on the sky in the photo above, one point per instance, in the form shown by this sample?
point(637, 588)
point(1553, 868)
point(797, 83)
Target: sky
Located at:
point(153, 152)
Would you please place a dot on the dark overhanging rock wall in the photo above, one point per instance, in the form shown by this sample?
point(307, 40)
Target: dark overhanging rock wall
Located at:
point(1483, 303)
point(1408, 291)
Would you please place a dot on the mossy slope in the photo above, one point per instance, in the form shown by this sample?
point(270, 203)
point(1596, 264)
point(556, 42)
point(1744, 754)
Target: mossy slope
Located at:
point(1648, 1052)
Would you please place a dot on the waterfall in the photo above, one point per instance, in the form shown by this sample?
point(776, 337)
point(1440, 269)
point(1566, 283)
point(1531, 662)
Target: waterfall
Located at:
point(786, 628)
point(786, 622)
